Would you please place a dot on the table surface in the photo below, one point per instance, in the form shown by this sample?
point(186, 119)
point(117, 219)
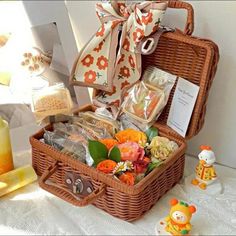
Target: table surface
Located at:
point(31, 210)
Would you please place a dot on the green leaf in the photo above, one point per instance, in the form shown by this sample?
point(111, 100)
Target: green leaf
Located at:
point(184, 232)
point(98, 151)
point(152, 166)
point(115, 154)
point(151, 133)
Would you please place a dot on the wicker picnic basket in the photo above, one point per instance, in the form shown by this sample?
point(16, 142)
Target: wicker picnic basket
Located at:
point(179, 53)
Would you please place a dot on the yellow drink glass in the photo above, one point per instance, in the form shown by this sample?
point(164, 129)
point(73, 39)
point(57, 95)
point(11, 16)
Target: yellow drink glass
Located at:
point(6, 160)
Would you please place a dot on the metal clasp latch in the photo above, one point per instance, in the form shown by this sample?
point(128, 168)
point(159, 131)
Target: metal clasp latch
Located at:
point(77, 184)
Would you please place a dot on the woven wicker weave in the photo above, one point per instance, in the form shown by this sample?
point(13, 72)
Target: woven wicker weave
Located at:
point(178, 53)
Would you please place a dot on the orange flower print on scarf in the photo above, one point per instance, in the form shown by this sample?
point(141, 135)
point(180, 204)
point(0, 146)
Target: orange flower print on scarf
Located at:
point(137, 35)
point(124, 72)
point(122, 58)
point(124, 84)
point(122, 7)
point(88, 60)
point(99, 47)
point(115, 23)
point(115, 103)
point(147, 19)
point(138, 20)
point(113, 91)
point(90, 76)
point(131, 61)
point(102, 63)
point(101, 31)
point(126, 44)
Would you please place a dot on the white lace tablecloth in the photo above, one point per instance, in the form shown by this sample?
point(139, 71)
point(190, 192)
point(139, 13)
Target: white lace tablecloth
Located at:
point(31, 210)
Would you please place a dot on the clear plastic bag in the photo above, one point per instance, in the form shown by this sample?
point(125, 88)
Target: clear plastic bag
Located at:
point(146, 99)
point(52, 100)
point(97, 125)
point(66, 144)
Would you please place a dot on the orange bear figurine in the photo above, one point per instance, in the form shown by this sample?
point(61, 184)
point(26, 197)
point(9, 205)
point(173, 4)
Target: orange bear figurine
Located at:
point(178, 220)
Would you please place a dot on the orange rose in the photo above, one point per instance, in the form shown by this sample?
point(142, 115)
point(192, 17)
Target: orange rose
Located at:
point(131, 135)
point(106, 166)
point(109, 142)
point(127, 178)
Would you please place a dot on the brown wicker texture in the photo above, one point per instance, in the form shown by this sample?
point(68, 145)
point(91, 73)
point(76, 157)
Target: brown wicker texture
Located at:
point(178, 53)
point(190, 58)
point(118, 199)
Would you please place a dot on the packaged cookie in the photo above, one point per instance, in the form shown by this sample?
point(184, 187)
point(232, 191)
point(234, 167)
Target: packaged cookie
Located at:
point(99, 121)
point(146, 99)
point(51, 101)
point(144, 102)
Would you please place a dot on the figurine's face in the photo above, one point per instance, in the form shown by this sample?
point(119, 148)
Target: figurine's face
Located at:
point(207, 157)
point(179, 217)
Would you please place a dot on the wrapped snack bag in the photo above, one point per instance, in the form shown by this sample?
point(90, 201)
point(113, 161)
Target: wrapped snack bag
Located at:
point(146, 99)
point(52, 100)
point(75, 148)
point(104, 126)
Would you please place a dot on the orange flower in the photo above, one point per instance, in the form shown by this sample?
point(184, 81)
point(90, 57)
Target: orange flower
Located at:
point(137, 35)
point(131, 135)
point(147, 19)
point(99, 47)
point(121, 7)
point(138, 20)
point(102, 63)
point(106, 166)
point(124, 84)
point(88, 60)
point(122, 58)
point(124, 71)
point(126, 94)
point(127, 178)
point(101, 31)
point(126, 44)
point(115, 23)
point(131, 61)
point(109, 142)
point(113, 91)
point(90, 76)
point(116, 103)
point(131, 151)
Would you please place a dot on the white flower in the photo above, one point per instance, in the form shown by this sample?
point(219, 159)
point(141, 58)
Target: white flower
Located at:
point(123, 166)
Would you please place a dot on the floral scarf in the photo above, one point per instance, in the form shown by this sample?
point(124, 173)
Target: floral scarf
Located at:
point(110, 61)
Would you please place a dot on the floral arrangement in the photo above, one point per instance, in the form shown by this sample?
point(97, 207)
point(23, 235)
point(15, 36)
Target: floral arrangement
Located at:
point(131, 154)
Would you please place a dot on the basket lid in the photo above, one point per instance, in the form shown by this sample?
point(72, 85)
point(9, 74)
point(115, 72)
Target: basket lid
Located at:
point(193, 59)
point(190, 58)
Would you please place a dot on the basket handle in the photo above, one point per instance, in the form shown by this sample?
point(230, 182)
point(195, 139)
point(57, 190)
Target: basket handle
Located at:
point(189, 26)
point(64, 193)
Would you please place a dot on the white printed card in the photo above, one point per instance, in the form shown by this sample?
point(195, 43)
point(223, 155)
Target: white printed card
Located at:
point(182, 106)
